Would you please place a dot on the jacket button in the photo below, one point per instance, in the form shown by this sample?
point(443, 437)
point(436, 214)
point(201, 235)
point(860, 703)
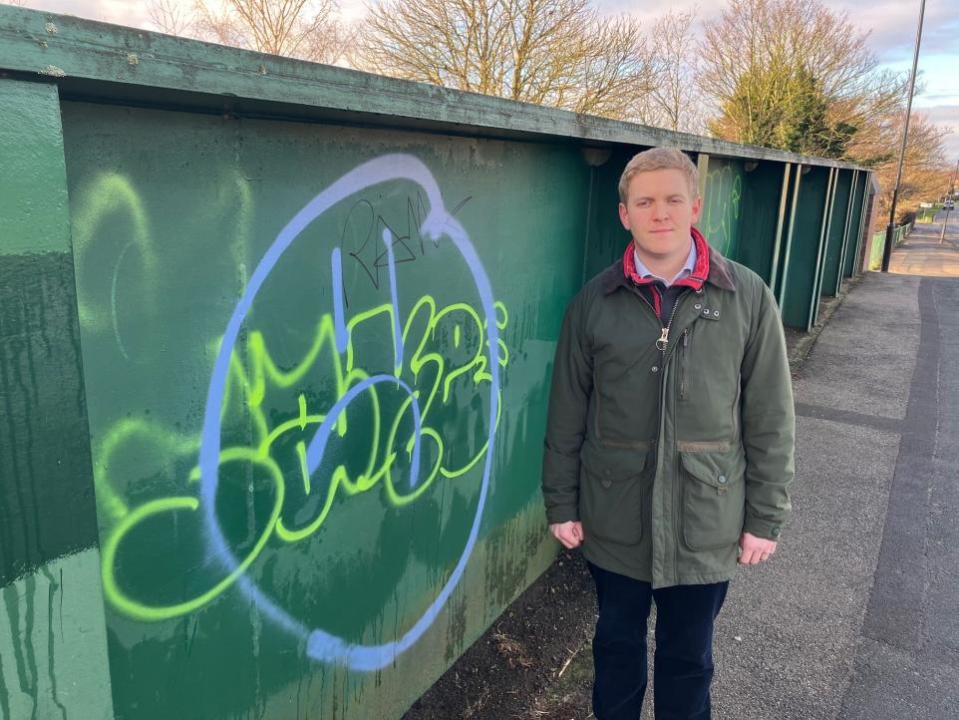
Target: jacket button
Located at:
point(775, 532)
point(654, 368)
point(715, 313)
point(698, 306)
point(722, 479)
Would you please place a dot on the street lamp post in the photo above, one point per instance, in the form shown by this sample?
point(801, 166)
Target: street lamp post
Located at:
point(887, 250)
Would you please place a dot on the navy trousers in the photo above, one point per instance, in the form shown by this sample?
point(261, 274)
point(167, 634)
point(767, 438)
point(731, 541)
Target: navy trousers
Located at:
point(683, 662)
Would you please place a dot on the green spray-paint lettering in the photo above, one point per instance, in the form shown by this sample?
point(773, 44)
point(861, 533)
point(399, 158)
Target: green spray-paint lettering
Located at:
point(721, 207)
point(111, 194)
point(253, 374)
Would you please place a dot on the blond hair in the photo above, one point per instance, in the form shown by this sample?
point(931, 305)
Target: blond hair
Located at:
point(659, 159)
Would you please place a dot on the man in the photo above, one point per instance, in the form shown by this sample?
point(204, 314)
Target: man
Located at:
point(669, 443)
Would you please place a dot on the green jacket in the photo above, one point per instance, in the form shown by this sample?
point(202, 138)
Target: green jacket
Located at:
point(667, 456)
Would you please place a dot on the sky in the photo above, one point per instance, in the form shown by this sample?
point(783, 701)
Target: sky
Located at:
point(891, 25)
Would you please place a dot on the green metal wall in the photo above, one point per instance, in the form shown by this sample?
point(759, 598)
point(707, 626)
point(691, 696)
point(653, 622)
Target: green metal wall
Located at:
point(838, 234)
point(722, 218)
point(858, 224)
point(803, 255)
point(52, 637)
point(763, 206)
point(273, 379)
point(324, 594)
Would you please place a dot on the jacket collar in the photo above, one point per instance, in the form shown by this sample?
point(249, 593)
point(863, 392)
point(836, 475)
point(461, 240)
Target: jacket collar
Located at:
point(709, 263)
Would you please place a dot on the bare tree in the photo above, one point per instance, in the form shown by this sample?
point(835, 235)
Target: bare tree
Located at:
point(676, 102)
point(925, 170)
point(756, 56)
point(302, 29)
point(171, 17)
point(560, 53)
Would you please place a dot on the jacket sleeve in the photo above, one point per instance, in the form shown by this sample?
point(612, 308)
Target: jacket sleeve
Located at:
point(768, 422)
point(566, 418)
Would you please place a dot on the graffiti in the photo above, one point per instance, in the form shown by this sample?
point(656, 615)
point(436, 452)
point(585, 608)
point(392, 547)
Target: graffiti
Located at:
point(721, 206)
point(364, 223)
point(112, 193)
point(439, 351)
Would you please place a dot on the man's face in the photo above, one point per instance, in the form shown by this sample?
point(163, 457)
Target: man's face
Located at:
point(660, 212)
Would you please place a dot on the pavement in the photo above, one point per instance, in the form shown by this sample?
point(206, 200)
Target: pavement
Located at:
point(922, 253)
point(857, 615)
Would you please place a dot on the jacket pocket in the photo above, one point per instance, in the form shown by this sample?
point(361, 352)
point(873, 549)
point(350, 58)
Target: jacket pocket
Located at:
point(611, 495)
point(714, 498)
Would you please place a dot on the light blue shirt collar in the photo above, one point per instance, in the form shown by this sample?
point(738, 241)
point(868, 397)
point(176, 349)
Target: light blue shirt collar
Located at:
point(687, 270)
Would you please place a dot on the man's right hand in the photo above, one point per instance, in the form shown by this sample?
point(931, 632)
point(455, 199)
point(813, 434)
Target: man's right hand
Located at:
point(569, 533)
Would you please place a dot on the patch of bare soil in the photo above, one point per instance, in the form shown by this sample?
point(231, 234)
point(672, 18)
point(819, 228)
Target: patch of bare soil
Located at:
point(534, 662)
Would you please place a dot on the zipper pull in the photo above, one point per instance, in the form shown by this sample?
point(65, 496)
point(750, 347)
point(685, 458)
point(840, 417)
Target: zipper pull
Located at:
point(663, 340)
point(685, 339)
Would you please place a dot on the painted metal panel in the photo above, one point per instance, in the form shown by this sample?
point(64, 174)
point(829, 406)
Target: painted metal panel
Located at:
point(761, 221)
point(787, 181)
point(848, 233)
point(721, 217)
point(858, 224)
point(792, 206)
point(52, 636)
point(836, 233)
point(814, 301)
point(317, 364)
point(801, 269)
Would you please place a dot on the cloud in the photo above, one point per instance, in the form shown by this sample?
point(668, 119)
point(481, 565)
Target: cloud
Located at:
point(892, 26)
point(942, 110)
point(946, 116)
point(118, 12)
point(652, 9)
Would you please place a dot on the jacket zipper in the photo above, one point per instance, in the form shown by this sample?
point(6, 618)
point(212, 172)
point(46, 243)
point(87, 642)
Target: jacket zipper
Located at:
point(663, 345)
point(676, 512)
point(683, 385)
point(663, 341)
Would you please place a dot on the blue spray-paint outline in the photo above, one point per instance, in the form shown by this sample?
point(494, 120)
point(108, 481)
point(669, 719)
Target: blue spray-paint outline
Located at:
point(339, 321)
point(321, 645)
point(394, 300)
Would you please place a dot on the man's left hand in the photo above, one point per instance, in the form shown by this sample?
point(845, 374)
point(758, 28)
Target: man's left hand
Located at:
point(754, 550)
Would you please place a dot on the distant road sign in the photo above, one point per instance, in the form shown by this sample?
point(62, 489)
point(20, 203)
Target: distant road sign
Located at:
point(925, 205)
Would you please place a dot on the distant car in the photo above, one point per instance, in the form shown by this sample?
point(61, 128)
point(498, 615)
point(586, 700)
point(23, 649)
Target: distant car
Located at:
point(949, 205)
